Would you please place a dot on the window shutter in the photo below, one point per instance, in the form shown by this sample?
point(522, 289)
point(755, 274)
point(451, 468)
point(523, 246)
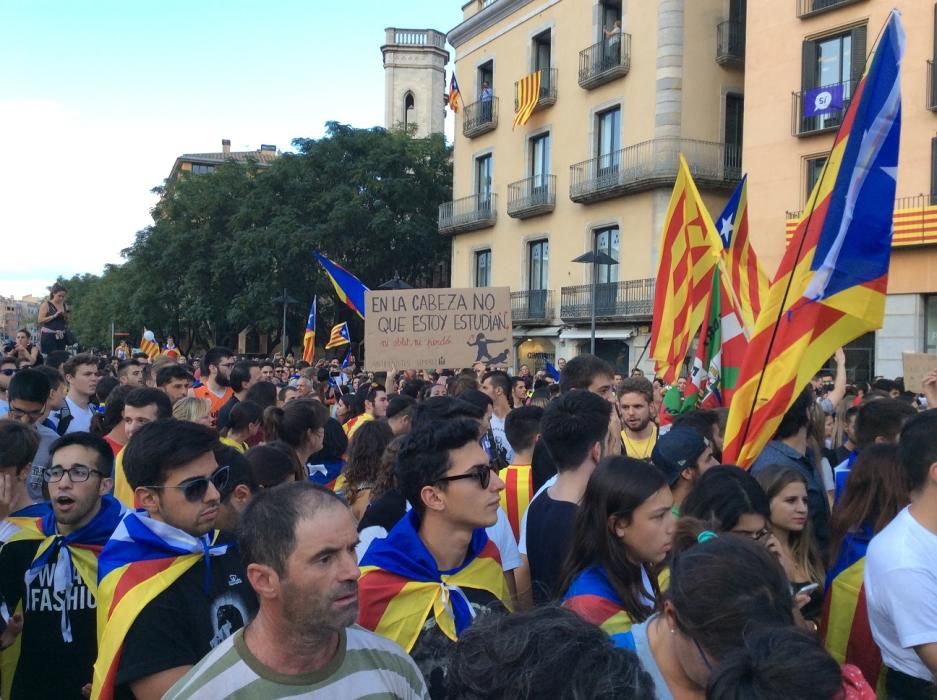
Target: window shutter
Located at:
point(809, 66)
point(858, 52)
point(933, 171)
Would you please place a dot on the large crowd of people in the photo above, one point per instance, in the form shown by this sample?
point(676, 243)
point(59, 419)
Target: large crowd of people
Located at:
point(224, 526)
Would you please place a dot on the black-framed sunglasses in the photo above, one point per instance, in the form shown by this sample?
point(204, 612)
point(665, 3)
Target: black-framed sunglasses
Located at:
point(194, 490)
point(480, 472)
point(77, 473)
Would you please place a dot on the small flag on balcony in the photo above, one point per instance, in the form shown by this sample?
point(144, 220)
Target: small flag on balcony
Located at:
point(528, 95)
point(823, 100)
point(455, 95)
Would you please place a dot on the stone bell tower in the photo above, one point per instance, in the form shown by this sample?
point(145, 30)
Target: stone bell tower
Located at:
point(414, 80)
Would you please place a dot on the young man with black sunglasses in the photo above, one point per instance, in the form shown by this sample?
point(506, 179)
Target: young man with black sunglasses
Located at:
point(48, 574)
point(437, 570)
point(201, 595)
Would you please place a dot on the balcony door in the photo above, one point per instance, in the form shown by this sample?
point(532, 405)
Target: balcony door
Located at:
point(606, 276)
point(829, 61)
point(540, 168)
point(608, 144)
point(538, 264)
point(483, 268)
point(733, 135)
point(542, 59)
point(483, 182)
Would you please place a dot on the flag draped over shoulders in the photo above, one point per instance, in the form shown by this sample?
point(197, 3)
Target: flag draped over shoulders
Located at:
point(401, 586)
point(831, 283)
point(515, 498)
point(592, 597)
point(142, 559)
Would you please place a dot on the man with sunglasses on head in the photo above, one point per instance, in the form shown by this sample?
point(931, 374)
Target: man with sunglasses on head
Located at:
point(436, 570)
point(200, 595)
point(28, 402)
point(48, 575)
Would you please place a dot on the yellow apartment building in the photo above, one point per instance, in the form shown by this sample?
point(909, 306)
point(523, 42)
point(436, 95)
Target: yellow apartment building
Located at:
point(794, 49)
point(626, 85)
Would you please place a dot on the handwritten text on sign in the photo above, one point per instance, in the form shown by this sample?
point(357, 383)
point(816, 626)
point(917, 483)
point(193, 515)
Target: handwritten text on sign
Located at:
point(423, 328)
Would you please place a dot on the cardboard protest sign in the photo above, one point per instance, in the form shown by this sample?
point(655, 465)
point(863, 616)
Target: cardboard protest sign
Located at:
point(916, 365)
point(424, 328)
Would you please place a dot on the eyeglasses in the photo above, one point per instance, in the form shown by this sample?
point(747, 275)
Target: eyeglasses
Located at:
point(757, 535)
point(8, 372)
point(195, 489)
point(32, 415)
point(227, 365)
point(77, 474)
point(481, 472)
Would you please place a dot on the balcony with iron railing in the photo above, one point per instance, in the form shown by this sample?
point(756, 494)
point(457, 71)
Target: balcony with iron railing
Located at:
point(931, 87)
point(532, 196)
point(653, 164)
point(479, 117)
point(809, 8)
point(830, 118)
point(605, 61)
point(532, 307)
point(614, 301)
point(547, 90)
point(468, 213)
point(730, 43)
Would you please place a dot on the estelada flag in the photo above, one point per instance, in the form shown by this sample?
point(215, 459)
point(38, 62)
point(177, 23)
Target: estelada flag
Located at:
point(309, 337)
point(339, 336)
point(592, 597)
point(401, 585)
point(690, 249)
point(455, 95)
point(350, 289)
point(142, 559)
point(149, 345)
point(830, 287)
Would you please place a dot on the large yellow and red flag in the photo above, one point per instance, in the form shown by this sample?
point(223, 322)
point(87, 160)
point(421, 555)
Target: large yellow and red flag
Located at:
point(745, 279)
point(689, 250)
point(830, 286)
point(528, 95)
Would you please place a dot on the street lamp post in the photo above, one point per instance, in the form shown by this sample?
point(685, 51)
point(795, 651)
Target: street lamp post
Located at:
point(286, 300)
point(594, 258)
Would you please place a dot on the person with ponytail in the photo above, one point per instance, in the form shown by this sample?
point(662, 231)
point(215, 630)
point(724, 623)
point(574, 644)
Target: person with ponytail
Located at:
point(779, 663)
point(300, 424)
point(622, 532)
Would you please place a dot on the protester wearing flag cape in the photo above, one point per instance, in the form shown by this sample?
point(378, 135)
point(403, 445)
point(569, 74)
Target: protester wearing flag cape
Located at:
point(48, 574)
point(168, 590)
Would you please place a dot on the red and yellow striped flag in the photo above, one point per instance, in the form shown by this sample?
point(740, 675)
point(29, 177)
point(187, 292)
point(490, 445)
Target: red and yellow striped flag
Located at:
point(518, 490)
point(689, 250)
point(149, 345)
point(528, 95)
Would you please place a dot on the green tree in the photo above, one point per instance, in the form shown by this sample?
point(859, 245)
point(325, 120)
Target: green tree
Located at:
point(222, 246)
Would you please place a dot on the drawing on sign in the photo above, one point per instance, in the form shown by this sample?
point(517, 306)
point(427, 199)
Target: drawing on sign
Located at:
point(483, 354)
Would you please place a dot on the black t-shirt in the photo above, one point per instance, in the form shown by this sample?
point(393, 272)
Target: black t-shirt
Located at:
point(48, 666)
point(183, 623)
point(384, 511)
point(549, 531)
point(432, 648)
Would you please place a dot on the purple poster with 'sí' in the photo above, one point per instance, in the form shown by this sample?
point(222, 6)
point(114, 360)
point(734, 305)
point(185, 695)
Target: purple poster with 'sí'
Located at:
point(823, 100)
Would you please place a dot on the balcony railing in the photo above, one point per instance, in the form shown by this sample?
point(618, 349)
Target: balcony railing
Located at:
point(803, 125)
point(547, 90)
point(652, 164)
point(468, 214)
point(479, 117)
point(605, 61)
point(730, 43)
point(532, 196)
point(533, 307)
point(808, 8)
point(613, 300)
point(931, 87)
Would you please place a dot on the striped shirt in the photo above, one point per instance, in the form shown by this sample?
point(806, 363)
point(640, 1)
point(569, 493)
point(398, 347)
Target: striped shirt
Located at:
point(366, 665)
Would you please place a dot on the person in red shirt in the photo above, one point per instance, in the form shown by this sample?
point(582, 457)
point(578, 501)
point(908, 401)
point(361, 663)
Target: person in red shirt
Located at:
point(216, 388)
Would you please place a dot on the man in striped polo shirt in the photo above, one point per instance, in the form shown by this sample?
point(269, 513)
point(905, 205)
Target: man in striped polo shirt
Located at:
point(298, 544)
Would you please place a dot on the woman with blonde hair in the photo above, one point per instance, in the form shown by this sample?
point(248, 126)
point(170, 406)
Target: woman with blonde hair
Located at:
point(786, 490)
point(192, 409)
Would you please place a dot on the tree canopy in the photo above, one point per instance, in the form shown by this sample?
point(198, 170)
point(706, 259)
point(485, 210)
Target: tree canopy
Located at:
point(223, 245)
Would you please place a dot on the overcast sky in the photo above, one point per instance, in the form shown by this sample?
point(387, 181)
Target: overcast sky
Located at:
point(98, 98)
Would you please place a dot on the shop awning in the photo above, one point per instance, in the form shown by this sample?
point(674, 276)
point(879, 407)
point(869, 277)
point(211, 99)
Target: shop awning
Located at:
point(600, 334)
point(539, 332)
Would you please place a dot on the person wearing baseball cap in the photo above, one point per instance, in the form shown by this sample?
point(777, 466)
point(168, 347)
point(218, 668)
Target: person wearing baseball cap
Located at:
point(683, 455)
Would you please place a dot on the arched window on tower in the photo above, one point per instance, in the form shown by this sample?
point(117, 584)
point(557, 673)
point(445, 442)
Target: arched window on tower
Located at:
point(408, 110)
